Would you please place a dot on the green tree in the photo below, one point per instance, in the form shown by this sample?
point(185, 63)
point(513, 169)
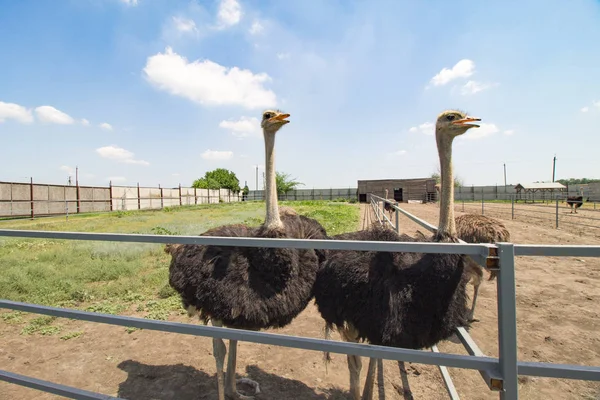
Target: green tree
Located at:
point(458, 182)
point(285, 183)
point(577, 181)
point(218, 178)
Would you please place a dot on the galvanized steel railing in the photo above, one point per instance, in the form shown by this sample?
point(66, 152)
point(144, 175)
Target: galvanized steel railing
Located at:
point(500, 373)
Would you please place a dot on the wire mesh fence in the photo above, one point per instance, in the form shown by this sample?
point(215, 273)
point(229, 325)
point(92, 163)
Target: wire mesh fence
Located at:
point(560, 212)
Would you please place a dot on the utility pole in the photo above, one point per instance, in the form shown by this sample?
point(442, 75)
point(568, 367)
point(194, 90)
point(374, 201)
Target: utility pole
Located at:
point(505, 174)
point(76, 175)
point(554, 168)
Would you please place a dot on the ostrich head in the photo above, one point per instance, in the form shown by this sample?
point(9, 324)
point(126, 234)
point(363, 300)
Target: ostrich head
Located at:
point(452, 123)
point(273, 120)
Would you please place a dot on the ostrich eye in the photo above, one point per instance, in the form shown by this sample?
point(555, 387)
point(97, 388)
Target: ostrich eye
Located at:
point(450, 117)
point(267, 115)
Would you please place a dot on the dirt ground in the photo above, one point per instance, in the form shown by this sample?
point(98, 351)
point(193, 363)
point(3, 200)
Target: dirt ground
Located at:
point(585, 222)
point(557, 310)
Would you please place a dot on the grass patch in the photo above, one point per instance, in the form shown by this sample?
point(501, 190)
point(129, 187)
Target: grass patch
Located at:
point(42, 326)
point(14, 317)
point(112, 277)
point(71, 335)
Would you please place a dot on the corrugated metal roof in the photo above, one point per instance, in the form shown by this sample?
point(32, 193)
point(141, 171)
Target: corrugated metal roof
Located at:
point(541, 185)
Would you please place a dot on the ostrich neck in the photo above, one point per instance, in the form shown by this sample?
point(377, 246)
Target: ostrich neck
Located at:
point(446, 225)
point(272, 219)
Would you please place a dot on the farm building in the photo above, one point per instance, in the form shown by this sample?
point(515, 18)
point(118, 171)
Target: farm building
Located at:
point(400, 190)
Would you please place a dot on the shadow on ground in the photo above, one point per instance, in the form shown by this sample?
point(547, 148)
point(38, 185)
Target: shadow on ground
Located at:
point(183, 382)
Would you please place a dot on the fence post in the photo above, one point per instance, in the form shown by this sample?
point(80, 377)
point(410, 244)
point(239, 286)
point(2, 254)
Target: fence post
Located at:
point(512, 206)
point(139, 197)
point(482, 203)
point(557, 213)
point(31, 196)
point(195, 196)
point(397, 220)
point(162, 203)
point(78, 196)
point(463, 204)
point(507, 321)
point(180, 201)
point(110, 195)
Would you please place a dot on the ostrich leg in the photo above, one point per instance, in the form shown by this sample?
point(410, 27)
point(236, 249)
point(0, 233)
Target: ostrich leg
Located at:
point(219, 352)
point(368, 389)
point(349, 334)
point(475, 292)
point(230, 384)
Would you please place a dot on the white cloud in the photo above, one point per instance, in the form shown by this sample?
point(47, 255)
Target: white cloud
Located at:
point(207, 82)
point(175, 174)
point(596, 103)
point(119, 154)
point(398, 153)
point(185, 25)
point(106, 125)
point(67, 169)
point(217, 155)
point(52, 115)
point(130, 2)
point(116, 179)
point(484, 130)
point(243, 127)
point(472, 87)
point(256, 28)
point(244, 156)
point(229, 14)
point(16, 112)
point(283, 56)
point(585, 109)
point(85, 122)
point(509, 132)
point(426, 128)
point(462, 69)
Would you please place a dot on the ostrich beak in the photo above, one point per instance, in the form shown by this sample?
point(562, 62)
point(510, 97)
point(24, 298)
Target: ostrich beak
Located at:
point(280, 118)
point(464, 122)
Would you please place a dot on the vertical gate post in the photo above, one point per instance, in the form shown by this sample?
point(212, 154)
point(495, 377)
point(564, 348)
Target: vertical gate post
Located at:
point(507, 322)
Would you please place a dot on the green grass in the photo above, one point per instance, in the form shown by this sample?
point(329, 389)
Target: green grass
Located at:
point(112, 277)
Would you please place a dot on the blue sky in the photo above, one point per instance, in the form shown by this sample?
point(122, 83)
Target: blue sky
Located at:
point(160, 91)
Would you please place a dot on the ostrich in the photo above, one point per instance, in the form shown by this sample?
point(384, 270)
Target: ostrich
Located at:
point(396, 299)
point(576, 201)
point(387, 205)
point(473, 228)
point(246, 287)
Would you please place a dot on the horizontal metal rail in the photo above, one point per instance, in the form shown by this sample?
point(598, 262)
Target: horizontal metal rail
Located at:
point(423, 223)
point(410, 247)
point(476, 362)
point(51, 387)
point(298, 342)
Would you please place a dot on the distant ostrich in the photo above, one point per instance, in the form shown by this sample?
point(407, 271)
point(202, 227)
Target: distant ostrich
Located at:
point(396, 299)
point(246, 287)
point(575, 201)
point(387, 205)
